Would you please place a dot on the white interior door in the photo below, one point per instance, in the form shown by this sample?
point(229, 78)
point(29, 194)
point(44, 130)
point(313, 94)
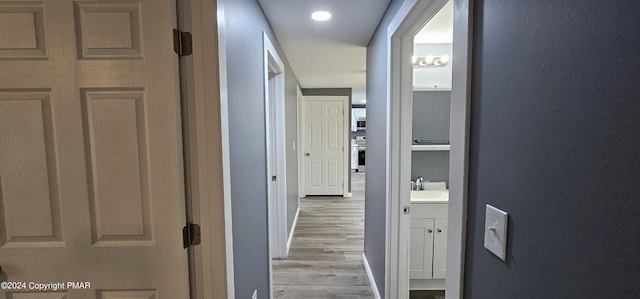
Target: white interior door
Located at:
point(324, 144)
point(91, 184)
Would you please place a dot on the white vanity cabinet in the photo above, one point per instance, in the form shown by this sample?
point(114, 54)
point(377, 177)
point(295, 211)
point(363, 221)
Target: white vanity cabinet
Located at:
point(428, 246)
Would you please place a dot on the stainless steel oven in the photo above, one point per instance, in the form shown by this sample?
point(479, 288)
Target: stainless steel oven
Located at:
point(361, 141)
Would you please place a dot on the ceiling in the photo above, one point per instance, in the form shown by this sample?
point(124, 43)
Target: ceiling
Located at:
point(329, 54)
point(439, 30)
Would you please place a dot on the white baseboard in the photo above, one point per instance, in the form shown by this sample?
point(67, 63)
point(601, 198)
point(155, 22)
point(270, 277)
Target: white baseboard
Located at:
point(372, 281)
point(293, 229)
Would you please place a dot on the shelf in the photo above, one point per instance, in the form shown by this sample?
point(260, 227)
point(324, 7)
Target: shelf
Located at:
point(432, 88)
point(431, 147)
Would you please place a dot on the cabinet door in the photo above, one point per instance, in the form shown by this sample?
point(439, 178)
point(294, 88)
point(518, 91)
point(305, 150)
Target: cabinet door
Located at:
point(440, 249)
point(421, 248)
point(423, 116)
point(442, 114)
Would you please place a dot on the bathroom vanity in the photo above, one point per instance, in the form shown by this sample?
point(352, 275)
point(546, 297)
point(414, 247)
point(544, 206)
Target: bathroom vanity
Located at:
point(428, 245)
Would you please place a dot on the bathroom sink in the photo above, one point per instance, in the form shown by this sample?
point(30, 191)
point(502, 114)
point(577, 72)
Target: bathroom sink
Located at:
point(430, 196)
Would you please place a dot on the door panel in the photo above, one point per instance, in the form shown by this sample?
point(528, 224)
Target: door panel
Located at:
point(28, 171)
point(324, 130)
point(440, 249)
point(115, 135)
point(421, 248)
point(90, 162)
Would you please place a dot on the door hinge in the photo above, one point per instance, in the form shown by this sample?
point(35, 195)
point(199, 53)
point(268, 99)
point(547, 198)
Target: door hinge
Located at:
point(406, 210)
point(273, 178)
point(182, 43)
point(191, 235)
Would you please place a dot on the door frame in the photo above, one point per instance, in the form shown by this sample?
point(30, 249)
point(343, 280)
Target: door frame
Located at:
point(411, 17)
point(346, 150)
point(206, 132)
point(274, 98)
point(301, 175)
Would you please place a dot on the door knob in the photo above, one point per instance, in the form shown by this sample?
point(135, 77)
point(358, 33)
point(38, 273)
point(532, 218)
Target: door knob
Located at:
point(307, 154)
point(439, 230)
point(430, 230)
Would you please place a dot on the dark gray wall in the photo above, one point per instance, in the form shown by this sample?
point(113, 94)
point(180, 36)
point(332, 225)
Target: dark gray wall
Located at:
point(376, 180)
point(245, 23)
point(334, 92)
point(433, 166)
point(555, 142)
point(328, 92)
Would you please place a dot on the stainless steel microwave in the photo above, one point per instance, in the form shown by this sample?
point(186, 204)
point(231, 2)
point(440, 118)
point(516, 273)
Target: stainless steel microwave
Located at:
point(361, 123)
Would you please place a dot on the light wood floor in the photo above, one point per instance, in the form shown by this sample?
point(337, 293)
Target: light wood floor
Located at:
point(325, 259)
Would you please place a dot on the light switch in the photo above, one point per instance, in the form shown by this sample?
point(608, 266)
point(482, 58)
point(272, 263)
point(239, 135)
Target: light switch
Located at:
point(495, 232)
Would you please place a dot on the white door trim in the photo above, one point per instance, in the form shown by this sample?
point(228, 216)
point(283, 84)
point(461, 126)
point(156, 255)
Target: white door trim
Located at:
point(278, 205)
point(211, 261)
point(301, 175)
point(224, 133)
point(408, 21)
point(346, 148)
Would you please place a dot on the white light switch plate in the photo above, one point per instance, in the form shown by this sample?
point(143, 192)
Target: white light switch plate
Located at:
point(495, 232)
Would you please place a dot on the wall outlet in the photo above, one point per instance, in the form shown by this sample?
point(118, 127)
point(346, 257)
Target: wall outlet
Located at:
point(255, 294)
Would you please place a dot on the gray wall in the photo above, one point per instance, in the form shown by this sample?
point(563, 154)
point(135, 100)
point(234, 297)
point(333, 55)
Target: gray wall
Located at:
point(328, 92)
point(433, 166)
point(334, 92)
point(291, 123)
point(245, 23)
point(376, 180)
point(555, 142)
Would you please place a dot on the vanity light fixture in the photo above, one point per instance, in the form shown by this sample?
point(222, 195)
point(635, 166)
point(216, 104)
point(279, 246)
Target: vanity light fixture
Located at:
point(321, 16)
point(430, 60)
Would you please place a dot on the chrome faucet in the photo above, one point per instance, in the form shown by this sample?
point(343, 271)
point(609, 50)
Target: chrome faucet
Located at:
point(419, 183)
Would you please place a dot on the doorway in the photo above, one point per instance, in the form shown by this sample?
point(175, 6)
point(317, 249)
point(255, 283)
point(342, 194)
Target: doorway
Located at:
point(274, 76)
point(409, 20)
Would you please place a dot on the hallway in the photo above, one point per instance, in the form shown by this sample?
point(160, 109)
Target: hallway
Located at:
point(325, 259)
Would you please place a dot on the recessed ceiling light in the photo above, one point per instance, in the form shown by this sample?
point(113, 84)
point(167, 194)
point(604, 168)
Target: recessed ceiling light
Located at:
point(321, 15)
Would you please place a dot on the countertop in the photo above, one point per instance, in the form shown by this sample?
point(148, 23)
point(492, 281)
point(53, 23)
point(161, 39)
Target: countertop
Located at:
point(430, 196)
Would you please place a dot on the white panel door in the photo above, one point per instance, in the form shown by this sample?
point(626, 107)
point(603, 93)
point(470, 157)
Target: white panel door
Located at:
point(91, 188)
point(324, 147)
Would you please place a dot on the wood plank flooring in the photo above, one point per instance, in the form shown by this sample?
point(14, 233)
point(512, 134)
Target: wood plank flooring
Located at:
point(325, 259)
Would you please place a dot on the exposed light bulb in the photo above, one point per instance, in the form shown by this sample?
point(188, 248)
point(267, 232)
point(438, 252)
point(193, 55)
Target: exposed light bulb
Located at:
point(429, 59)
point(414, 59)
point(444, 59)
